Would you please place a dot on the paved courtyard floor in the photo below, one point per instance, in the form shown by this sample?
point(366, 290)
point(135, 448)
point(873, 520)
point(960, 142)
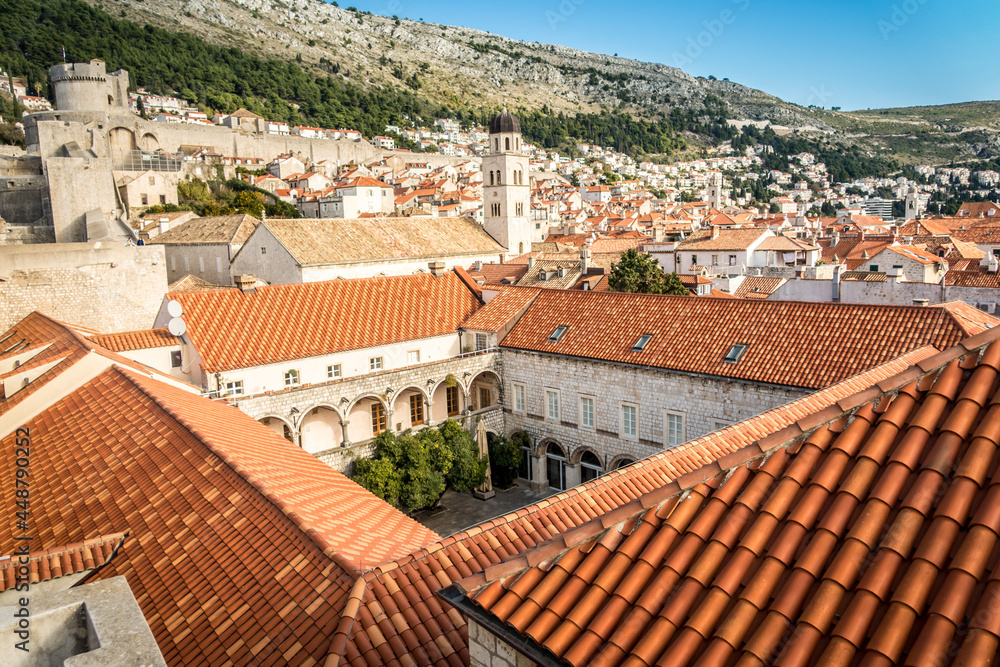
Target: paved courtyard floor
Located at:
point(459, 511)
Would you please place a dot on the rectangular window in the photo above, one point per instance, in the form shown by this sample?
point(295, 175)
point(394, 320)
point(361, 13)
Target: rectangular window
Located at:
point(144, 200)
point(694, 259)
point(175, 359)
point(715, 260)
point(201, 264)
point(519, 398)
point(416, 410)
point(674, 427)
point(735, 353)
point(873, 267)
point(640, 344)
point(375, 364)
point(163, 199)
point(378, 418)
point(485, 398)
point(587, 412)
point(234, 388)
point(480, 342)
point(263, 250)
point(552, 403)
point(292, 378)
point(218, 265)
point(630, 426)
point(152, 180)
point(558, 334)
point(412, 357)
point(333, 371)
point(452, 395)
point(732, 260)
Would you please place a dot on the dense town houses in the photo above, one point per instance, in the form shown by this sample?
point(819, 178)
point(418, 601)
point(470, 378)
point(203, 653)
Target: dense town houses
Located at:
point(737, 474)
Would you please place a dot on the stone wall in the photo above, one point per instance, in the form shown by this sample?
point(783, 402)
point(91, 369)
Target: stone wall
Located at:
point(107, 287)
point(488, 650)
point(22, 199)
point(706, 404)
point(891, 292)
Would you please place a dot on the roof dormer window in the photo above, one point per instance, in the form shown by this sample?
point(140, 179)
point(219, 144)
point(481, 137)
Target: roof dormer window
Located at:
point(558, 334)
point(735, 353)
point(640, 344)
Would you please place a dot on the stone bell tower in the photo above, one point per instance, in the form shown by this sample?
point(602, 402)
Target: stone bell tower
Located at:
point(506, 191)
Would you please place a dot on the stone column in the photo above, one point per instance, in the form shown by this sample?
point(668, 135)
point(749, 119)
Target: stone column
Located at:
point(428, 412)
point(343, 429)
point(539, 474)
point(572, 475)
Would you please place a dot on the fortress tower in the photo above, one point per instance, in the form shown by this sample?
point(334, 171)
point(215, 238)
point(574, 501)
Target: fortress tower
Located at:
point(506, 191)
point(88, 87)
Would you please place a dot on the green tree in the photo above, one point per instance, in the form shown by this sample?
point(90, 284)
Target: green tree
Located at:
point(468, 469)
point(639, 272)
point(249, 202)
point(774, 209)
point(828, 210)
point(505, 461)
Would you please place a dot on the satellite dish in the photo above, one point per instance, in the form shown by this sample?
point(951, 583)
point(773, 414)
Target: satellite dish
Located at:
point(176, 326)
point(174, 308)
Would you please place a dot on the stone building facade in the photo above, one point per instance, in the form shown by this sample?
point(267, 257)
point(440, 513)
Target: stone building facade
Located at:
point(488, 650)
point(317, 416)
point(595, 399)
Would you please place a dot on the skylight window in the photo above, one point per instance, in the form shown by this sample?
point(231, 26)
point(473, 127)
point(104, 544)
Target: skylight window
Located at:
point(558, 334)
point(640, 344)
point(735, 353)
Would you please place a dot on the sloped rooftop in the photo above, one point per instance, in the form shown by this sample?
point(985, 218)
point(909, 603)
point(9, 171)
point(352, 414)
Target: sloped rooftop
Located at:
point(865, 533)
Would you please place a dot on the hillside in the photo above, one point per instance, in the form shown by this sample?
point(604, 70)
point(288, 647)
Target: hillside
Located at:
point(364, 71)
point(452, 66)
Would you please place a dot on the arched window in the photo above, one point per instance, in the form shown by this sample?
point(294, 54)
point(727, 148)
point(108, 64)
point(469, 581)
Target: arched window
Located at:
point(590, 467)
point(496, 145)
point(520, 248)
point(624, 463)
point(517, 144)
point(506, 143)
point(498, 178)
point(491, 178)
point(555, 466)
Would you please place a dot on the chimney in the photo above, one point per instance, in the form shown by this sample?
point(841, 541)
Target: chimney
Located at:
point(164, 225)
point(531, 262)
point(861, 234)
point(584, 260)
point(478, 265)
point(437, 268)
point(994, 264)
point(561, 271)
point(835, 239)
point(920, 302)
point(893, 275)
point(715, 231)
point(246, 282)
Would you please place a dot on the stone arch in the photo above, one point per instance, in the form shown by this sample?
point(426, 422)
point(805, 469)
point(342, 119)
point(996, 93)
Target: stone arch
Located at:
point(360, 419)
point(439, 397)
point(489, 381)
point(540, 447)
point(121, 139)
point(577, 456)
point(149, 142)
point(401, 407)
point(320, 428)
point(279, 425)
point(621, 461)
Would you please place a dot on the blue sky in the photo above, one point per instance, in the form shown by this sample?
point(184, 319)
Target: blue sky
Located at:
point(854, 54)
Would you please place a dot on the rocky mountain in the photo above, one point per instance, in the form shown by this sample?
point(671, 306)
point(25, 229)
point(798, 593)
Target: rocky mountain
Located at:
point(461, 67)
point(452, 65)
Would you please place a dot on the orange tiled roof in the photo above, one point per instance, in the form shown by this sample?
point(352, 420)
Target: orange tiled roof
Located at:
point(236, 559)
point(758, 287)
point(866, 533)
point(233, 330)
point(497, 273)
point(972, 278)
point(136, 340)
point(789, 343)
point(501, 309)
point(62, 561)
point(397, 615)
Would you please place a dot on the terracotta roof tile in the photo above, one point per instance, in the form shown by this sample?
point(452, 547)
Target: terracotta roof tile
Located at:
point(63, 561)
point(407, 584)
point(758, 287)
point(501, 309)
point(127, 341)
point(851, 547)
point(226, 229)
point(281, 322)
point(789, 343)
point(345, 241)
